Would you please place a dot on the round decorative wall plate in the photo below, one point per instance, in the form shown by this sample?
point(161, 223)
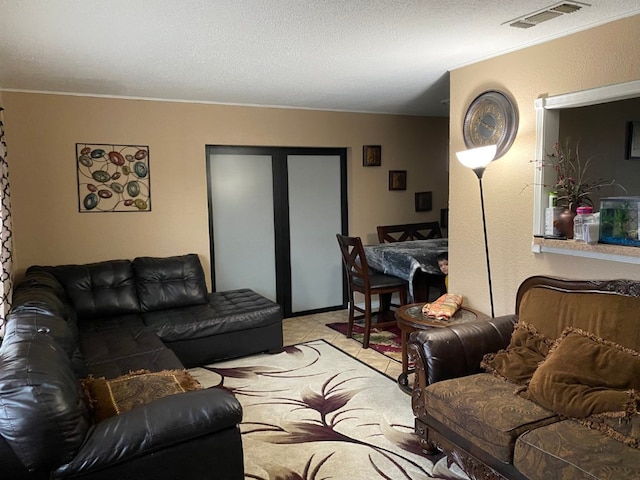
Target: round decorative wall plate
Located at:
point(491, 119)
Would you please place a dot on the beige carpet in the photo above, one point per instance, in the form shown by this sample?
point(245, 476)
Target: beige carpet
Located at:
point(313, 412)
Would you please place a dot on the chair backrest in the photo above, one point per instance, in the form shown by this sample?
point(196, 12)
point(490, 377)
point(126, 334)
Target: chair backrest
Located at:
point(354, 261)
point(409, 231)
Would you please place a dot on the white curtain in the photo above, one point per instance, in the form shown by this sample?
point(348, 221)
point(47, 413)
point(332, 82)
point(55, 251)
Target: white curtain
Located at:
point(6, 236)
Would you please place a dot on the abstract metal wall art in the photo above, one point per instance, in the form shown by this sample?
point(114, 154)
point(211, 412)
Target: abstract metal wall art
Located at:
point(113, 178)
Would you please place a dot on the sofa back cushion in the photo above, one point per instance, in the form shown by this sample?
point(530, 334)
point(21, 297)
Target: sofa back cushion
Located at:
point(608, 315)
point(99, 289)
point(41, 292)
point(43, 416)
point(169, 282)
point(39, 277)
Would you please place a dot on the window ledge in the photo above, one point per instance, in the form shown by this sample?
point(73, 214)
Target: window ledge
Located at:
point(600, 251)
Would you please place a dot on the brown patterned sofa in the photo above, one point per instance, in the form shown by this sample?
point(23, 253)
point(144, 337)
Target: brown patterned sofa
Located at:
point(551, 392)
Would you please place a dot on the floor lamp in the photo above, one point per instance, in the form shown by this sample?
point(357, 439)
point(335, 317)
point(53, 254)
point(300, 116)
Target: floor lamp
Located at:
point(477, 159)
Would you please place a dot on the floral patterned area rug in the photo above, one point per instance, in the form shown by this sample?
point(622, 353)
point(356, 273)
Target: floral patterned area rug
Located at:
point(386, 341)
point(312, 412)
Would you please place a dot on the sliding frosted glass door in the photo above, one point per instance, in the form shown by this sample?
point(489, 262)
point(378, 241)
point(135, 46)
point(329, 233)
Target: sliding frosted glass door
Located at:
point(314, 220)
point(274, 215)
point(243, 232)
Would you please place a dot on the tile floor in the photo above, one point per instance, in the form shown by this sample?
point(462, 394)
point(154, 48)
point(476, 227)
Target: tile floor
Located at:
point(313, 327)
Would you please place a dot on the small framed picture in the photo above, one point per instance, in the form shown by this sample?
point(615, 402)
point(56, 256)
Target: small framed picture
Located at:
point(371, 156)
point(444, 217)
point(633, 141)
point(397, 179)
point(423, 202)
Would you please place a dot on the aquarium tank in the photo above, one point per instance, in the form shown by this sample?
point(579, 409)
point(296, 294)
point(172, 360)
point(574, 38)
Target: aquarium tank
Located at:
point(619, 221)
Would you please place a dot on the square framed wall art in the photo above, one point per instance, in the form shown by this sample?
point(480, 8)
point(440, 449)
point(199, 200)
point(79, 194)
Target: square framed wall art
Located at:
point(371, 155)
point(444, 217)
point(633, 141)
point(397, 179)
point(424, 201)
point(113, 178)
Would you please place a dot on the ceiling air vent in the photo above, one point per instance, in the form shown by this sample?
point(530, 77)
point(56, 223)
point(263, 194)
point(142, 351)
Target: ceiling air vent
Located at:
point(556, 10)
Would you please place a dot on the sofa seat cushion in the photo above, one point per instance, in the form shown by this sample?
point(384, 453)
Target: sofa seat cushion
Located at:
point(169, 282)
point(116, 346)
point(567, 450)
point(118, 395)
point(485, 410)
point(230, 311)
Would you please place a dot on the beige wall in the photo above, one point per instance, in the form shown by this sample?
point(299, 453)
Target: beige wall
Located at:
point(42, 131)
point(600, 56)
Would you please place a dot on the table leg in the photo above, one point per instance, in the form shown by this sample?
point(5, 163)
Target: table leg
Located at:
point(403, 378)
point(404, 335)
point(385, 302)
point(427, 287)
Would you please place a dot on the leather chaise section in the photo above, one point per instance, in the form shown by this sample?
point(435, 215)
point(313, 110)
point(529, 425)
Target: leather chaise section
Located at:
point(230, 311)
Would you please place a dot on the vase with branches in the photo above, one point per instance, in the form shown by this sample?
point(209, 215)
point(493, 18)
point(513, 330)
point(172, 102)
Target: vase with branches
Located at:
point(574, 183)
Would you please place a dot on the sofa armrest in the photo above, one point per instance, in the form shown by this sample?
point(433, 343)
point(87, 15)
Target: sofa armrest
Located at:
point(455, 351)
point(156, 426)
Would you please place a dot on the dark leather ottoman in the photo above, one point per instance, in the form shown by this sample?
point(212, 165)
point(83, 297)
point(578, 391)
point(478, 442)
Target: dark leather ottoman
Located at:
point(232, 324)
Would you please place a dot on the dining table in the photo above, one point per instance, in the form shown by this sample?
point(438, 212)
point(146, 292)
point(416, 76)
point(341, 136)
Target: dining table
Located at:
point(412, 260)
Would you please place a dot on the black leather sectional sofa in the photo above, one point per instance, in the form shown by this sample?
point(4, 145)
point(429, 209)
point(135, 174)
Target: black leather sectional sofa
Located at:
point(107, 319)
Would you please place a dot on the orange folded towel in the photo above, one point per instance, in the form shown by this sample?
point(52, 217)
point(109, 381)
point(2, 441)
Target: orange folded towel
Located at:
point(444, 307)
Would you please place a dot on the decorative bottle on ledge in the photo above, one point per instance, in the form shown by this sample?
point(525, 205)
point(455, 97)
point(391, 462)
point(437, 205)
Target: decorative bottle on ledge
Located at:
point(565, 222)
point(583, 215)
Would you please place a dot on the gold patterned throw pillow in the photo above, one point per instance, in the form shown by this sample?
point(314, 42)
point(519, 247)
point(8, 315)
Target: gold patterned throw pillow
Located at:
point(585, 375)
point(118, 395)
point(518, 362)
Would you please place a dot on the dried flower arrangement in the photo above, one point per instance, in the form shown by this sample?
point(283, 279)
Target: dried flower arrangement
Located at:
point(573, 183)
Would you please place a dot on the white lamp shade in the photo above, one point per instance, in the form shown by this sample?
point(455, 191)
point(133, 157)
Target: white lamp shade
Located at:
point(477, 157)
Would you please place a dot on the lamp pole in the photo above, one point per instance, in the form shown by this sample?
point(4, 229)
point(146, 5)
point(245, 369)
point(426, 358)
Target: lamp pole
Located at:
point(479, 172)
point(477, 160)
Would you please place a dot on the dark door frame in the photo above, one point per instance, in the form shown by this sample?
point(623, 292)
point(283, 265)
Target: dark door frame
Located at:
point(281, 209)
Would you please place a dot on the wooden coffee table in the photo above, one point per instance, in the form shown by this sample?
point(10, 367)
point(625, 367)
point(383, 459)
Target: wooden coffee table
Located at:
point(410, 318)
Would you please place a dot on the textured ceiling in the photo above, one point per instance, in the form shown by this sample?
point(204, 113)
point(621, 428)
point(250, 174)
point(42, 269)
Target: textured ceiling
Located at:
point(383, 56)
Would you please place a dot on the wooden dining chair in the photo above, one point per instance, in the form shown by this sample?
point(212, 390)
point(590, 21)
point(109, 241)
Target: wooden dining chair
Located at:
point(409, 231)
point(368, 282)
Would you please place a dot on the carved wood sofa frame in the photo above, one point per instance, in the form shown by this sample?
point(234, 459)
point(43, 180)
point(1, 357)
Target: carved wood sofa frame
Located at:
point(444, 364)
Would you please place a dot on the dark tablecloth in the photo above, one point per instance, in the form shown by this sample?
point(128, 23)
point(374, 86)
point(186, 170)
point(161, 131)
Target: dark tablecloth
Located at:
point(404, 259)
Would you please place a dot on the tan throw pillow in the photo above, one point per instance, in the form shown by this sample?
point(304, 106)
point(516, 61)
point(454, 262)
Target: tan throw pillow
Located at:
point(118, 395)
point(585, 375)
point(517, 363)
